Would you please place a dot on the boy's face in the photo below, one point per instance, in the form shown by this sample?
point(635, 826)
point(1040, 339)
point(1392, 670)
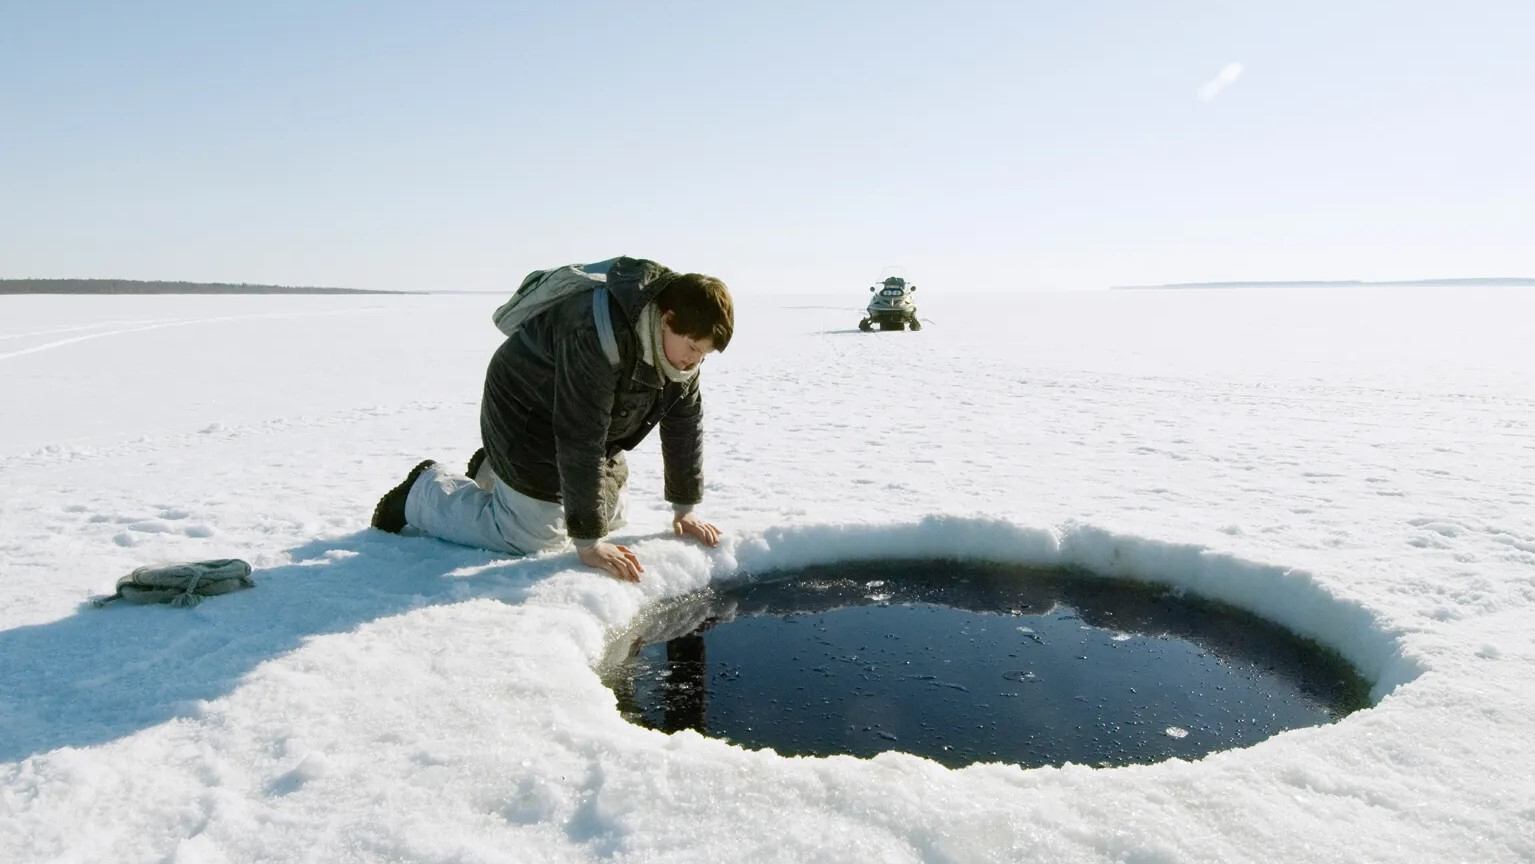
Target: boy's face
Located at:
point(683, 352)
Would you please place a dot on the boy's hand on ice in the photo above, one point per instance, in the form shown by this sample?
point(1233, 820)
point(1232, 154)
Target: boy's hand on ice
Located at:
point(688, 525)
point(617, 561)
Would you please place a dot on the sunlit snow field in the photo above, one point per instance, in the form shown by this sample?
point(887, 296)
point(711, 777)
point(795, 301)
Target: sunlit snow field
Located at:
point(1358, 465)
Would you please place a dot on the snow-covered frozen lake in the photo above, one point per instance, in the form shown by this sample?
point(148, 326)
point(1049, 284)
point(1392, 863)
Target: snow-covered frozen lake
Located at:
point(1356, 465)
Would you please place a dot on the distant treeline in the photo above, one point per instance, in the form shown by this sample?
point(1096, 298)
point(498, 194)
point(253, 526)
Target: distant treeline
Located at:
point(132, 286)
point(1506, 281)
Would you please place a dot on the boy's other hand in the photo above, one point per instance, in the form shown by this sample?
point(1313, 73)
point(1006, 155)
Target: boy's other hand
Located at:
point(688, 525)
point(617, 561)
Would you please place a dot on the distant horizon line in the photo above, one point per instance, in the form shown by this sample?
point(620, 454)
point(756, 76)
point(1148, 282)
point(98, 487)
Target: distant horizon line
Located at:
point(167, 286)
point(68, 286)
point(1509, 281)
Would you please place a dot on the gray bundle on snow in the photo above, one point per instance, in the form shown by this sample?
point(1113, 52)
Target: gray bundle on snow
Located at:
point(182, 585)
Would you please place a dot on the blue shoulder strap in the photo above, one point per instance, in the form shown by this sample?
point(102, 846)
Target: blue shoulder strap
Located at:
point(603, 318)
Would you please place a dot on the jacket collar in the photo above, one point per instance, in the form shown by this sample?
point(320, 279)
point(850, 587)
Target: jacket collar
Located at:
point(646, 374)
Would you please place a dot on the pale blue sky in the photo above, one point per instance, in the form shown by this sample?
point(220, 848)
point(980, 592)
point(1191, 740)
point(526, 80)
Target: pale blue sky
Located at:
point(784, 146)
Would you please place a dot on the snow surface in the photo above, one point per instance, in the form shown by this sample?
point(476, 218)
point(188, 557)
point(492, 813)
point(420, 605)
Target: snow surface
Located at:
point(1354, 464)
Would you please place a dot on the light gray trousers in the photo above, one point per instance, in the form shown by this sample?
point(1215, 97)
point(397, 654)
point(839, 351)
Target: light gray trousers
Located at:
point(485, 513)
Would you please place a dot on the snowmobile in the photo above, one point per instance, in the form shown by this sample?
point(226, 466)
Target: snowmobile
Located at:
point(891, 307)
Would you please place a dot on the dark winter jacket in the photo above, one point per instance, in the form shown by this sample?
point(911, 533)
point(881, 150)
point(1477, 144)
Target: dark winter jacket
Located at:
point(557, 415)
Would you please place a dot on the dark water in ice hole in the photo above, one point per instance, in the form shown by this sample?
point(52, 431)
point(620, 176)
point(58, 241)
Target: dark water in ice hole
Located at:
point(968, 662)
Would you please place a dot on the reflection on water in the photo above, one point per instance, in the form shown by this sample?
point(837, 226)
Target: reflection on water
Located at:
point(967, 662)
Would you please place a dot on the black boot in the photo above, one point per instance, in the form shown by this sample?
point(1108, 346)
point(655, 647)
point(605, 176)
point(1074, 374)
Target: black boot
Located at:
point(389, 515)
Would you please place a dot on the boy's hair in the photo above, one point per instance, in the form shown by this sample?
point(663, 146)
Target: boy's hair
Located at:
point(700, 305)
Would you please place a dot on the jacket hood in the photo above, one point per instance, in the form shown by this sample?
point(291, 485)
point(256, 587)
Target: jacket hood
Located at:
point(633, 283)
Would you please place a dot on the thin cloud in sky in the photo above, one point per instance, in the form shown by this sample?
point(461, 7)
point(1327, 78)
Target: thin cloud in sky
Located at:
point(1223, 79)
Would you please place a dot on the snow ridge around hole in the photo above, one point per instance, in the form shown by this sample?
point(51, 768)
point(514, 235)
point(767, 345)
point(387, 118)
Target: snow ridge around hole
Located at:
point(1293, 598)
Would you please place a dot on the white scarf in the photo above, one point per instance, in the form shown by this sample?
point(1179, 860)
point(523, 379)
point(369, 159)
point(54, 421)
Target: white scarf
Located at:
point(653, 346)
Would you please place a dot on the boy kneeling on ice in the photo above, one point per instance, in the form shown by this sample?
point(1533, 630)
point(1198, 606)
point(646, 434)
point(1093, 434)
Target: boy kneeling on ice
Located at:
point(610, 351)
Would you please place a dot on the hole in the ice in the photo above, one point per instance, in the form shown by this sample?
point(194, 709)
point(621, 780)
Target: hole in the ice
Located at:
point(973, 662)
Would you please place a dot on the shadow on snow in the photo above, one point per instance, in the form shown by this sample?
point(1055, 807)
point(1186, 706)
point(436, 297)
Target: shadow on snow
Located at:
point(102, 674)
